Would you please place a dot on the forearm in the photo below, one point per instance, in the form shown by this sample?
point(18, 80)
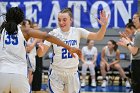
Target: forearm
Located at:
point(132, 49)
point(100, 34)
point(45, 36)
point(117, 61)
point(57, 41)
point(104, 61)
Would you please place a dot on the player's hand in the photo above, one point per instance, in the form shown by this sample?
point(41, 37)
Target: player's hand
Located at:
point(120, 43)
point(73, 50)
point(103, 18)
point(125, 40)
point(41, 46)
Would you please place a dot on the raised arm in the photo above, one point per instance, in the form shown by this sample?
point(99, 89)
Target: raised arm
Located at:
point(100, 34)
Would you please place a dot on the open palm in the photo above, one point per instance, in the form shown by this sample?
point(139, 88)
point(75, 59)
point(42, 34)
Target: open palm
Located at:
point(103, 18)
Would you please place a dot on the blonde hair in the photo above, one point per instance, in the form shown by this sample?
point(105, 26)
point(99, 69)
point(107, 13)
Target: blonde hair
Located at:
point(67, 10)
point(138, 14)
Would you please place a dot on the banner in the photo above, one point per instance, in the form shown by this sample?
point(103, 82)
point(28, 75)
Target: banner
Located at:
point(85, 12)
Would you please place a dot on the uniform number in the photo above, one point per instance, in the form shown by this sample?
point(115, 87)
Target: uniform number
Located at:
point(11, 39)
point(66, 54)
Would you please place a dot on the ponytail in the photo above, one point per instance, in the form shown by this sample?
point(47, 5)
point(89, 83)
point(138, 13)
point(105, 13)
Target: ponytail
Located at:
point(11, 27)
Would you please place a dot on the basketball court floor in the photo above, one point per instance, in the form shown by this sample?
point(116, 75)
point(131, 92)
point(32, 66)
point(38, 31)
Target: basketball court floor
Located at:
point(111, 88)
point(98, 89)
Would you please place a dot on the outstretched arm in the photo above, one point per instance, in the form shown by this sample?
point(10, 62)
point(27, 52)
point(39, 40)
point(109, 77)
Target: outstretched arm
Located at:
point(38, 34)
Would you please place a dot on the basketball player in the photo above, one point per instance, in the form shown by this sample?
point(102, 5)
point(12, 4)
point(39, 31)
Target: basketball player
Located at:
point(13, 63)
point(89, 57)
point(63, 76)
point(110, 58)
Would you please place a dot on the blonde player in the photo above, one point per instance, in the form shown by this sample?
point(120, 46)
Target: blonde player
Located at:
point(63, 76)
point(89, 57)
point(13, 63)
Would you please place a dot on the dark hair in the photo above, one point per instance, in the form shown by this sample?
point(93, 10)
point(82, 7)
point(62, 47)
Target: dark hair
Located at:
point(14, 16)
point(26, 20)
point(130, 24)
point(67, 10)
point(115, 44)
point(88, 41)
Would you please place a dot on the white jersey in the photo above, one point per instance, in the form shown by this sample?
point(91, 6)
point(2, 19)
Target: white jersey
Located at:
point(33, 51)
point(62, 58)
point(89, 53)
point(110, 57)
point(13, 53)
point(32, 54)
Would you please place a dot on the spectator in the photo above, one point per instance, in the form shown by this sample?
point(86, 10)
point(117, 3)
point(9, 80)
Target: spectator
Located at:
point(89, 60)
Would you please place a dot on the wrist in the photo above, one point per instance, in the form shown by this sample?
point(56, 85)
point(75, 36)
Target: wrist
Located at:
point(128, 44)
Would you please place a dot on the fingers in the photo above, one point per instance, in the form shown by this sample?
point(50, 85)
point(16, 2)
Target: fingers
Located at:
point(103, 13)
point(108, 16)
point(103, 19)
point(73, 55)
point(77, 51)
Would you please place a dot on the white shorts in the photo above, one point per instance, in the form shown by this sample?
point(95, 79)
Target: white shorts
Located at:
point(15, 83)
point(91, 68)
point(63, 82)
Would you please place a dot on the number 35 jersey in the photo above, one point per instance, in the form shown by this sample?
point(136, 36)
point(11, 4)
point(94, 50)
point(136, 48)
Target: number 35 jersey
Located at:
point(13, 53)
point(62, 58)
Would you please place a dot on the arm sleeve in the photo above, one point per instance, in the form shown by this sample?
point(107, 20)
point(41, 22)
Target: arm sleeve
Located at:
point(83, 33)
